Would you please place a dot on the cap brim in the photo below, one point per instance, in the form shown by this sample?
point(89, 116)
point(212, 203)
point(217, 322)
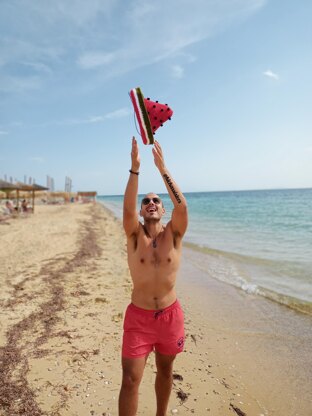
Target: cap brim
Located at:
point(141, 113)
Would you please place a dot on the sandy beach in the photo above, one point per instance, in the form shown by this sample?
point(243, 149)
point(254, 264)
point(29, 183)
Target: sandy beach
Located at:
point(65, 285)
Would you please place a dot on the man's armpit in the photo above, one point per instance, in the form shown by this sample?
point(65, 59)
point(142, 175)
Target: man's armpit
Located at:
point(176, 235)
point(133, 241)
point(176, 238)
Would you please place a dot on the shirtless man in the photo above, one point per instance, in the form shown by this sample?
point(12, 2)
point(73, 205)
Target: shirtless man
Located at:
point(154, 319)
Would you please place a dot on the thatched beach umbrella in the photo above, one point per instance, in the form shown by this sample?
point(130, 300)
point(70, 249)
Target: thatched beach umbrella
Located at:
point(32, 188)
point(8, 187)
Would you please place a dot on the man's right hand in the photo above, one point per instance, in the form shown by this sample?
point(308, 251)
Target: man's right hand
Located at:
point(135, 156)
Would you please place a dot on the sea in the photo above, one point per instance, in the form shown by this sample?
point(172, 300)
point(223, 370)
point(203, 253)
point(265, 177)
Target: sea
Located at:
point(259, 241)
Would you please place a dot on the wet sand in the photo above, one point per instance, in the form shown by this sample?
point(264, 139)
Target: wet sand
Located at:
point(65, 285)
point(265, 345)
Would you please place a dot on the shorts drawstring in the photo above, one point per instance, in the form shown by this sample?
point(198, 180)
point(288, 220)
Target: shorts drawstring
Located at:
point(156, 314)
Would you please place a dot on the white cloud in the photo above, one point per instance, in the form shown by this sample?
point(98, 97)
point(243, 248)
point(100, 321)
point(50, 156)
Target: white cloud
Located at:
point(110, 36)
point(28, 50)
point(95, 59)
point(120, 113)
point(37, 159)
point(309, 149)
point(180, 23)
point(94, 119)
point(177, 71)
point(38, 67)
point(140, 9)
point(19, 83)
point(189, 58)
point(77, 12)
point(270, 74)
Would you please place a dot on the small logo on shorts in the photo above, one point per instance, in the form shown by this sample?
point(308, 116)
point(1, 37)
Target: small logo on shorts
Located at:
point(180, 342)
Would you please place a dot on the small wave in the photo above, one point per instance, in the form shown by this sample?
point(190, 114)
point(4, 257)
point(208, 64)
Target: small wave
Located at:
point(289, 301)
point(226, 267)
point(250, 288)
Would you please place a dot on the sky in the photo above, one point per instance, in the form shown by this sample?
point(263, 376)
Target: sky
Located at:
point(237, 74)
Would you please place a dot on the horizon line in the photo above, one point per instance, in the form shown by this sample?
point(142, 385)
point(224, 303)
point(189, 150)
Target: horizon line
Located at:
point(229, 190)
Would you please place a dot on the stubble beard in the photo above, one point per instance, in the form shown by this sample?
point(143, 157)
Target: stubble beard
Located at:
point(151, 220)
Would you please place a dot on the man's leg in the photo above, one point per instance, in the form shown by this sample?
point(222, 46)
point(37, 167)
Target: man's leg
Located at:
point(163, 383)
point(132, 372)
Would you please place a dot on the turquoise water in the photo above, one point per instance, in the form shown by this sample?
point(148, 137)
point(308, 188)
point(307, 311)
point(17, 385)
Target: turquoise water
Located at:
point(260, 241)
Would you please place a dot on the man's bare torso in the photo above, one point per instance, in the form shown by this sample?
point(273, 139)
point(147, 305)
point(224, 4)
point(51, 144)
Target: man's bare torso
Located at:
point(154, 269)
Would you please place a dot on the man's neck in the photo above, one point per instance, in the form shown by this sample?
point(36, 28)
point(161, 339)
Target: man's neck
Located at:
point(153, 227)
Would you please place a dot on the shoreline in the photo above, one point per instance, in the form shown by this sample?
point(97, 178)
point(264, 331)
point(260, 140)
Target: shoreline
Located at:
point(300, 305)
point(66, 285)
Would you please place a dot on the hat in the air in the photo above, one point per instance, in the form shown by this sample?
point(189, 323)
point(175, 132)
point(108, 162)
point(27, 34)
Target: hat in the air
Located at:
point(150, 114)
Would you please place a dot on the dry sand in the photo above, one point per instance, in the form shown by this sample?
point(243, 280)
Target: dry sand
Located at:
point(64, 287)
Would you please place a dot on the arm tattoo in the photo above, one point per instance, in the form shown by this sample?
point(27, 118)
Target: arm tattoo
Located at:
point(175, 193)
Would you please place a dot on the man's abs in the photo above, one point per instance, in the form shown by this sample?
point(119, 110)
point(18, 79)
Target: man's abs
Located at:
point(153, 292)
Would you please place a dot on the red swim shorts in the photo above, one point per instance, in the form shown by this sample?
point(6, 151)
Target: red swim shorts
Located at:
point(147, 330)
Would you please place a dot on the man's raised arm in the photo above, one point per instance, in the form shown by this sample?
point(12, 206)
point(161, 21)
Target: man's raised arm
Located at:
point(130, 215)
point(179, 214)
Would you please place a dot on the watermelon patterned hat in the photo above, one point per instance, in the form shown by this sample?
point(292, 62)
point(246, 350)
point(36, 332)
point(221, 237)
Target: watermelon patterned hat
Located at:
point(150, 114)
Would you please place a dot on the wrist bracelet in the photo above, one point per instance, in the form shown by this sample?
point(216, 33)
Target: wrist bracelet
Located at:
point(134, 173)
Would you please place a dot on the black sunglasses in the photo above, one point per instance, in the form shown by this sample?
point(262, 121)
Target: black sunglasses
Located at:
point(146, 201)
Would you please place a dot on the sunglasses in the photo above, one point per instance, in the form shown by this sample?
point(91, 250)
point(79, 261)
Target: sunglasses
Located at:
point(146, 201)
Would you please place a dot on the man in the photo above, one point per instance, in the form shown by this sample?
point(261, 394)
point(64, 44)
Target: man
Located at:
point(154, 319)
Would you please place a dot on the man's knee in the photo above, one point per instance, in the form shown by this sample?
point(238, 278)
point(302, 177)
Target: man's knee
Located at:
point(132, 372)
point(130, 380)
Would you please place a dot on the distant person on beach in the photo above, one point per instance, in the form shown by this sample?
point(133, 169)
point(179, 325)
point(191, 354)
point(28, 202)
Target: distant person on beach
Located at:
point(9, 207)
point(24, 205)
point(154, 319)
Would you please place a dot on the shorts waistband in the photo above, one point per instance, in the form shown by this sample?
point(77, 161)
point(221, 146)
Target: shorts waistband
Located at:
point(154, 312)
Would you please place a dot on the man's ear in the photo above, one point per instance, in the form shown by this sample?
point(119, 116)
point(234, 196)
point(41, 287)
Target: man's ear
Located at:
point(163, 210)
point(140, 213)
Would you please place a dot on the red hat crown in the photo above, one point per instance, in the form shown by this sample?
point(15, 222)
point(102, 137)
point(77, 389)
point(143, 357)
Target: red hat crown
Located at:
point(158, 113)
